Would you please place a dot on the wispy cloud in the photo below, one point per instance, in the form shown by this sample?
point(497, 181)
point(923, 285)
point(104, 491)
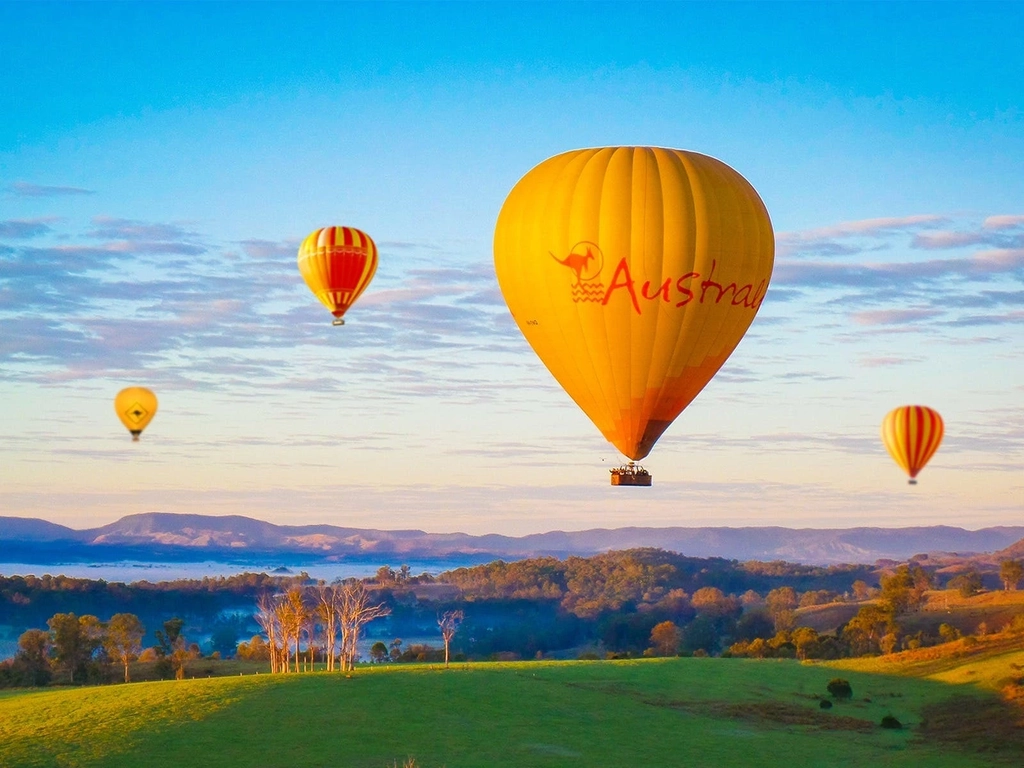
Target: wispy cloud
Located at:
point(27, 189)
point(1004, 222)
point(22, 229)
point(109, 228)
point(944, 240)
point(810, 274)
point(886, 362)
point(835, 240)
point(893, 316)
point(154, 295)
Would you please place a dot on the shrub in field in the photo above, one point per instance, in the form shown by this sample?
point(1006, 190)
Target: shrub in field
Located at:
point(1016, 625)
point(891, 722)
point(839, 688)
point(967, 583)
point(825, 704)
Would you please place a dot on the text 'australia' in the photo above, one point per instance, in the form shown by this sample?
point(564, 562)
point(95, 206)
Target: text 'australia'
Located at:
point(684, 289)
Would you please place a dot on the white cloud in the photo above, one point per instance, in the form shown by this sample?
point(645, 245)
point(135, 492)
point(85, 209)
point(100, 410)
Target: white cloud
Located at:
point(1004, 222)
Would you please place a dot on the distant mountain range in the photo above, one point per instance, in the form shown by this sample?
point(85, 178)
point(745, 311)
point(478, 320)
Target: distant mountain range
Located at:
point(173, 537)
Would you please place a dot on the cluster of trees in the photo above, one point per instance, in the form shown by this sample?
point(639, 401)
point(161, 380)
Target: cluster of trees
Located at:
point(590, 586)
point(881, 626)
point(612, 602)
point(83, 649)
point(29, 601)
point(329, 617)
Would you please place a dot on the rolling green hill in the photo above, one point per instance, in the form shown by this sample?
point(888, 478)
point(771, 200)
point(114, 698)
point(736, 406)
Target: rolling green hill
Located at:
point(652, 712)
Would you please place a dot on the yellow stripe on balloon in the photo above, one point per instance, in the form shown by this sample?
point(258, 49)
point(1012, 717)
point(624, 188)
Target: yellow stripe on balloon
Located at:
point(912, 434)
point(337, 264)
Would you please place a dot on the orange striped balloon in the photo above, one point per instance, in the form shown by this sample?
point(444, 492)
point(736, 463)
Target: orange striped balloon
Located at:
point(912, 434)
point(337, 264)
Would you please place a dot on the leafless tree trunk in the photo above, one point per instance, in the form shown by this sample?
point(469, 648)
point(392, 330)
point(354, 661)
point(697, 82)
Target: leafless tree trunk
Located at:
point(449, 624)
point(328, 599)
point(295, 618)
point(309, 627)
point(354, 612)
point(269, 621)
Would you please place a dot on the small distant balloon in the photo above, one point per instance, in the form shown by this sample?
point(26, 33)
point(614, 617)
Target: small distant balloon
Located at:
point(337, 264)
point(911, 434)
point(135, 407)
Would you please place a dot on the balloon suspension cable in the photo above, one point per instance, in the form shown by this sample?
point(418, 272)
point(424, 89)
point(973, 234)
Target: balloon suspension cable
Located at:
point(338, 321)
point(630, 473)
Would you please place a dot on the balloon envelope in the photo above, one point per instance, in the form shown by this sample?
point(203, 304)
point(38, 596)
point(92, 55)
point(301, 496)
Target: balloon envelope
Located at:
point(135, 407)
point(911, 434)
point(337, 264)
point(633, 272)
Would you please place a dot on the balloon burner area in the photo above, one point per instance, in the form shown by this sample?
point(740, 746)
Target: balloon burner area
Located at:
point(630, 474)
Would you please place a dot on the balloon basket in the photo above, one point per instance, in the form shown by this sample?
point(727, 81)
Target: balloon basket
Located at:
point(338, 321)
point(630, 474)
point(911, 482)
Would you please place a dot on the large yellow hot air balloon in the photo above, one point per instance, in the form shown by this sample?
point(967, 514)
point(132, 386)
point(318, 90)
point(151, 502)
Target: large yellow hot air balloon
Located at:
point(633, 272)
point(135, 407)
point(337, 264)
point(912, 434)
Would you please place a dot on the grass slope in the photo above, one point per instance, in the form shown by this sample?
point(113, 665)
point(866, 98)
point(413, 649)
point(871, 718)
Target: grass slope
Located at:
point(652, 712)
point(985, 712)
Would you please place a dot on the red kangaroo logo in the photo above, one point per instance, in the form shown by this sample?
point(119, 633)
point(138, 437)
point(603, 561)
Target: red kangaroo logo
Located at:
point(578, 262)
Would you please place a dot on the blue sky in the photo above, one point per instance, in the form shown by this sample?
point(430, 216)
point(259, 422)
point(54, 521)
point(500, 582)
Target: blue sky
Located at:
point(159, 165)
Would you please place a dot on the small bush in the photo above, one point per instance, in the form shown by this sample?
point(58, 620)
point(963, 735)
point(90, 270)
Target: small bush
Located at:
point(163, 669)
point(825, 704)
point(891, 722)
point(700, 653)
point(839, 688)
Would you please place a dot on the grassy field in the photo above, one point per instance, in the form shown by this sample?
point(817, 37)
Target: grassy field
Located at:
point(652, 712)
point(965, 721)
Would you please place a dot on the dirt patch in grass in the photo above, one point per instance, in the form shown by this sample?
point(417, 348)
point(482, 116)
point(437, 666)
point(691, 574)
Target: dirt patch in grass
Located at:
point(770, 713)
point(764, 713)
point(986, 725)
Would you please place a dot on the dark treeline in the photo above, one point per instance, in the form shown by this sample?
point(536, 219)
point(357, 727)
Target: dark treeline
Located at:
point(627, 603)
point(31, 600)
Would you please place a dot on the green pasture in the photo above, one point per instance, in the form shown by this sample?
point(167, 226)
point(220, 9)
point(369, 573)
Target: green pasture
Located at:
point(653, 712)
point(991, 664)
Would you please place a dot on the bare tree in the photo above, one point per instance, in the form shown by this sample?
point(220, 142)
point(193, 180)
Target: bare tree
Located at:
point(269, 620)
point(328, 600)
point(292, 614)
point(309, 627)
point(449, 623)
point(354, 612)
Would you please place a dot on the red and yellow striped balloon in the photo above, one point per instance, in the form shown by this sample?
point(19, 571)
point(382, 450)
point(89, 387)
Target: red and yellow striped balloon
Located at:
point(337, 264)
point(912, 434)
